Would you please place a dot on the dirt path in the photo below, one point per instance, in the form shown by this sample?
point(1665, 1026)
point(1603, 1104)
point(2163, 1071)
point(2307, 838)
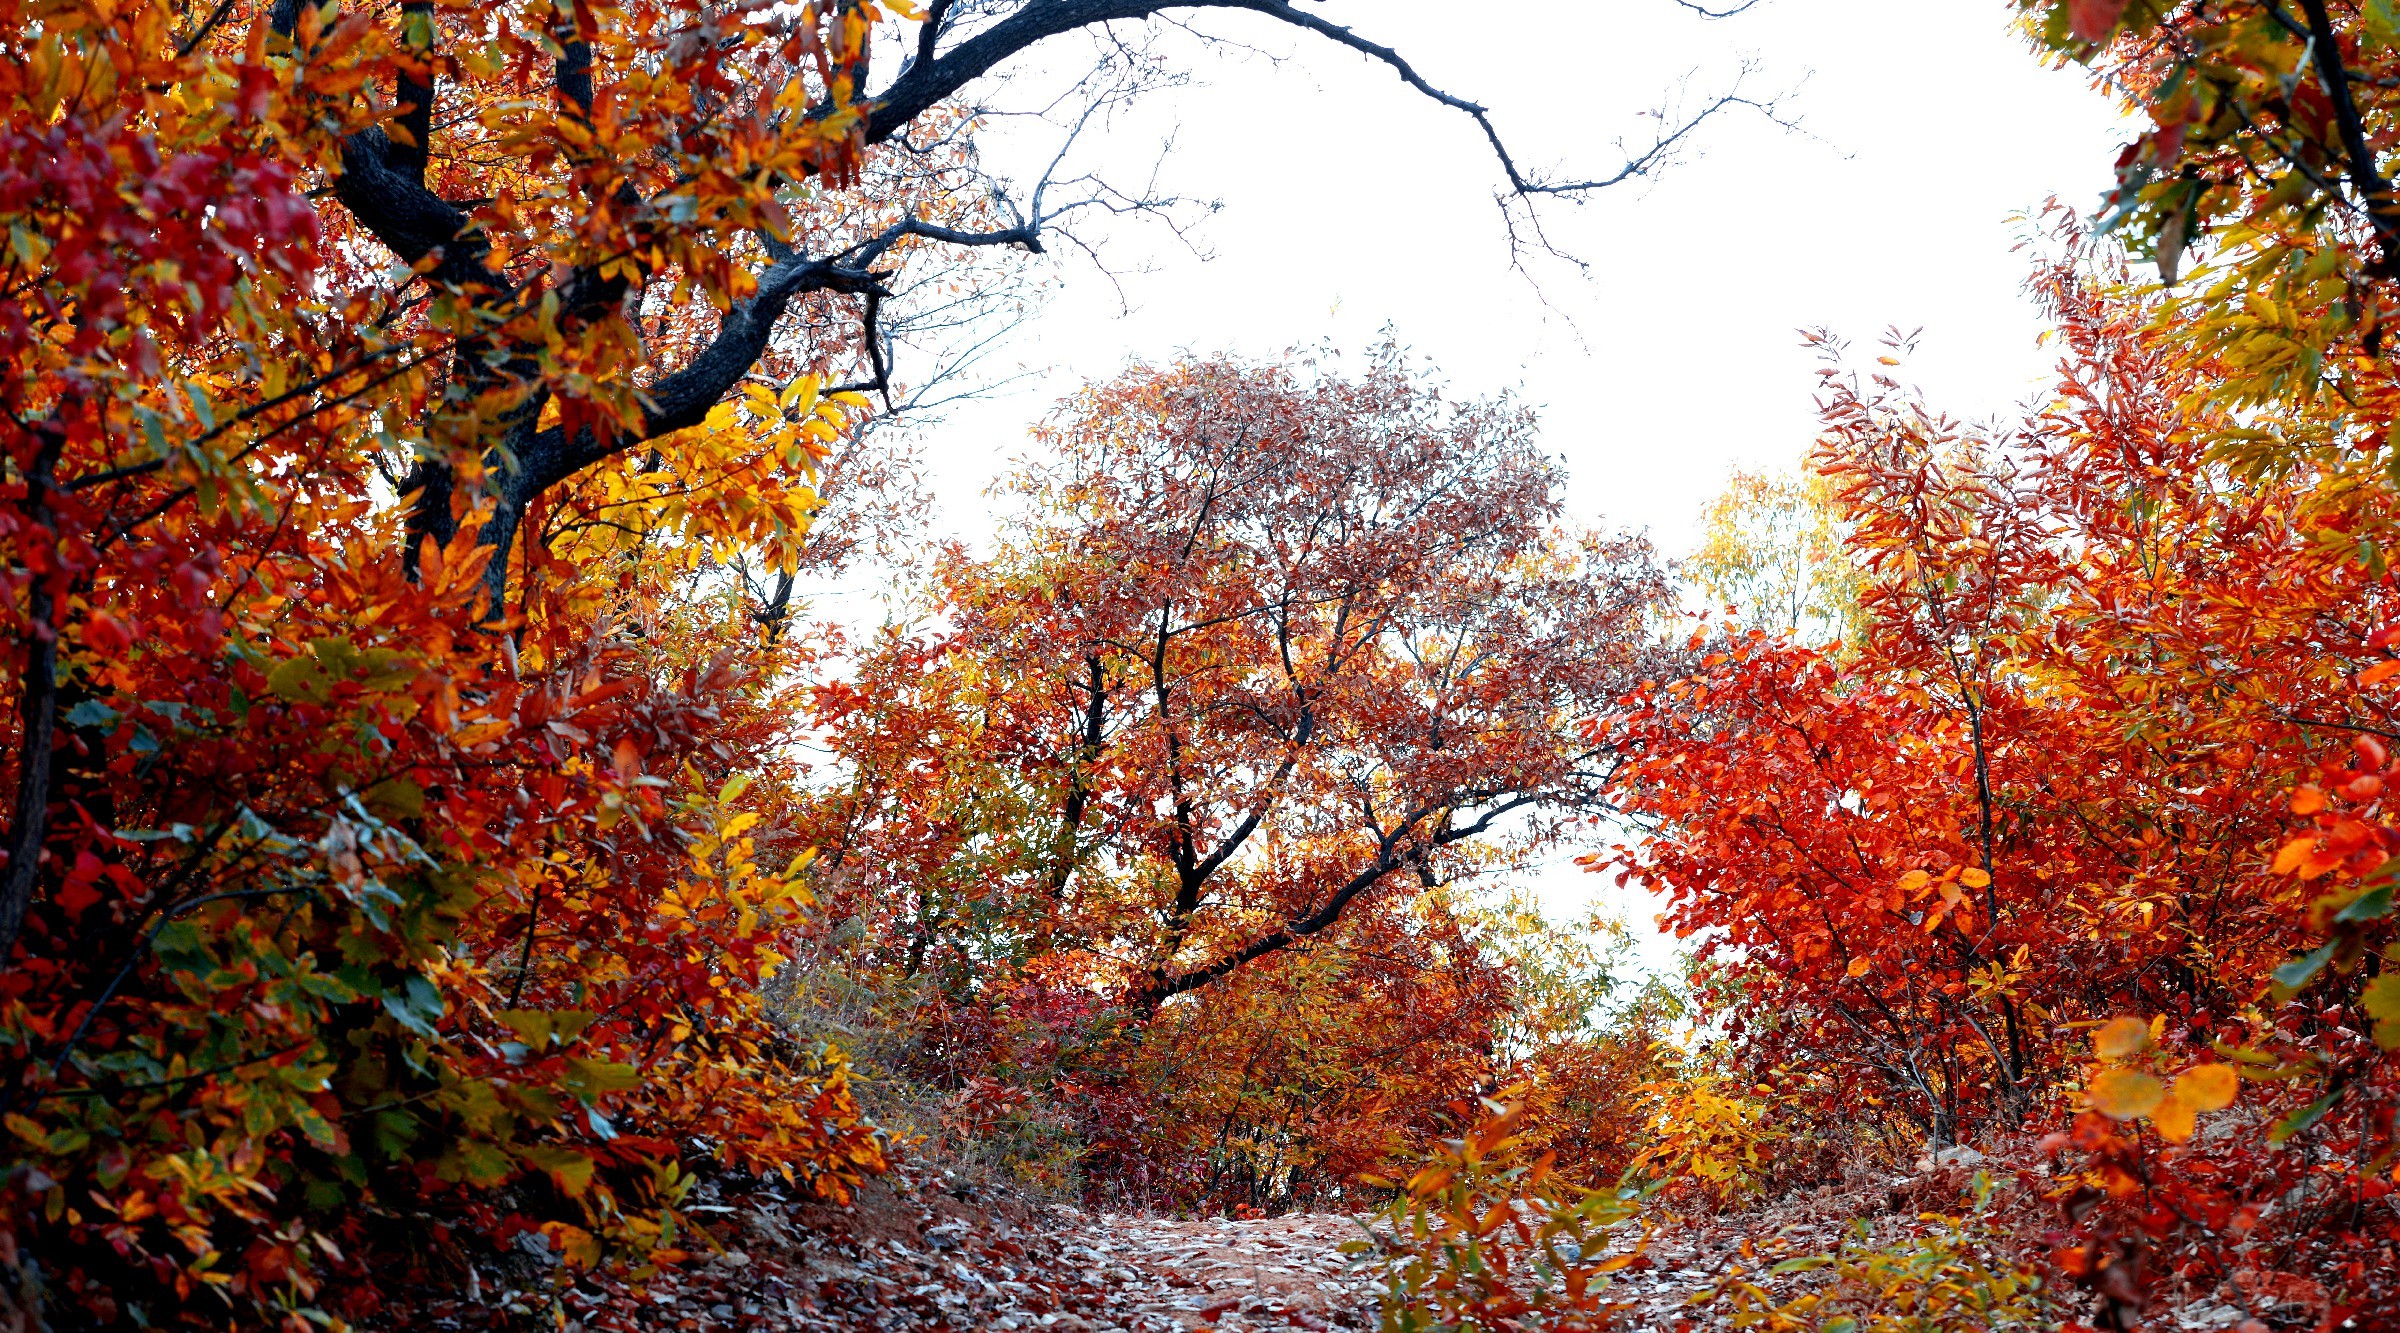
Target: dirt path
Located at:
point(925, 1256)
point(1073, 1272)
point(934, 1255)
point(1276, 1272)
point(923, 1259)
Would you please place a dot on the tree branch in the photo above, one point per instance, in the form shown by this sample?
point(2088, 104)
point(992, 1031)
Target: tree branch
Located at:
point(2375, 194)
point(37, 708)
point(927, 82)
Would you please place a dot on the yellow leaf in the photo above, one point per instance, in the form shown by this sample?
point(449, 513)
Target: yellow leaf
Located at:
point(578, 1246)
point(1973, 878)
point(2209, 1087)
point(2121, 1037)
point(2381, 999)
point(2123, 1094)
point(2175, 1117)
point(1914, 880)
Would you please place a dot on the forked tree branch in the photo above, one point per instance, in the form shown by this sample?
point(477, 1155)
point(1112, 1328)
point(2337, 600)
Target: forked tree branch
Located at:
point(382, 183)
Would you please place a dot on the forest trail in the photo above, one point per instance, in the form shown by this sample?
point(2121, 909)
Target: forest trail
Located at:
point(926, 1257)
point(1075, 1272)
point(1069, 1271)
point(1259, 1273)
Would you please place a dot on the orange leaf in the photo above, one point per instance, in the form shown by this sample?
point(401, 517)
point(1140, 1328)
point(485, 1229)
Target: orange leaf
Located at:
point(2294, 854)
point(2307, 801)
point(2210, 1087)
point(2124, 1094)
point(2121, 1037)
point(2176, 1116)
point(2378, 673)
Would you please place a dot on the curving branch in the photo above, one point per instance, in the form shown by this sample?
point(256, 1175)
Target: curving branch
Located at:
point(930, 80)
point(382, 183)
point(1395, 851)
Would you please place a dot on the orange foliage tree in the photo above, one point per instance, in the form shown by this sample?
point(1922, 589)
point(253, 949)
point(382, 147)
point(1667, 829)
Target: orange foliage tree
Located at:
point(1275, 656)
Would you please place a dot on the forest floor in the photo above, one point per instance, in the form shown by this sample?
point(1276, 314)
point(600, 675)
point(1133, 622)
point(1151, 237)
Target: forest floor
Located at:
point(924, 1252)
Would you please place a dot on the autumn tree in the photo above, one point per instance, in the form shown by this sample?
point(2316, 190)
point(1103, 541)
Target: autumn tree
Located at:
point(2261, 186)
point(1268, 641)
point(1273, 653)
point(2077, 834)
point(1772, 557)
point(395, 398)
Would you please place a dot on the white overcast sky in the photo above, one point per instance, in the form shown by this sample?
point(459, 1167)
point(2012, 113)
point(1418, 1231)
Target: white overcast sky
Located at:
point(1350, 202)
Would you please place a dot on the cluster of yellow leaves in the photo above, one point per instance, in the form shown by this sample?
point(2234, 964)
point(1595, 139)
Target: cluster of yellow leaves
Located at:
point(2125, 1089)
point(739, 482)
point(1709, 1129)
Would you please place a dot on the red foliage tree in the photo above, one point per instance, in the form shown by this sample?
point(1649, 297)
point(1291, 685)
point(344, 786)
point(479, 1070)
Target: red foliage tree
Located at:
point(2050, 789)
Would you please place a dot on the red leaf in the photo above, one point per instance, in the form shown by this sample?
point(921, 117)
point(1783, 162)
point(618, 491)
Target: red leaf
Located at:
point(2094, 20)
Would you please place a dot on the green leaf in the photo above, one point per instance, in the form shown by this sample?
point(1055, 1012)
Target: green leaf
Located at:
point(478, 1162)
point(2373, 905)
point(200, 406)
point(532, 1026)
point(300, 680)
point(415, 1005)
point(591, 1079)
point(2301, 1119)
point(2300, 971)
point(397, 796)
point(2381, 19)
point(393, 1131)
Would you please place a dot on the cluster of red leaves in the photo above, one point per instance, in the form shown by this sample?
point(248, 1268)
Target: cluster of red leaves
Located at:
point(2051, 783)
